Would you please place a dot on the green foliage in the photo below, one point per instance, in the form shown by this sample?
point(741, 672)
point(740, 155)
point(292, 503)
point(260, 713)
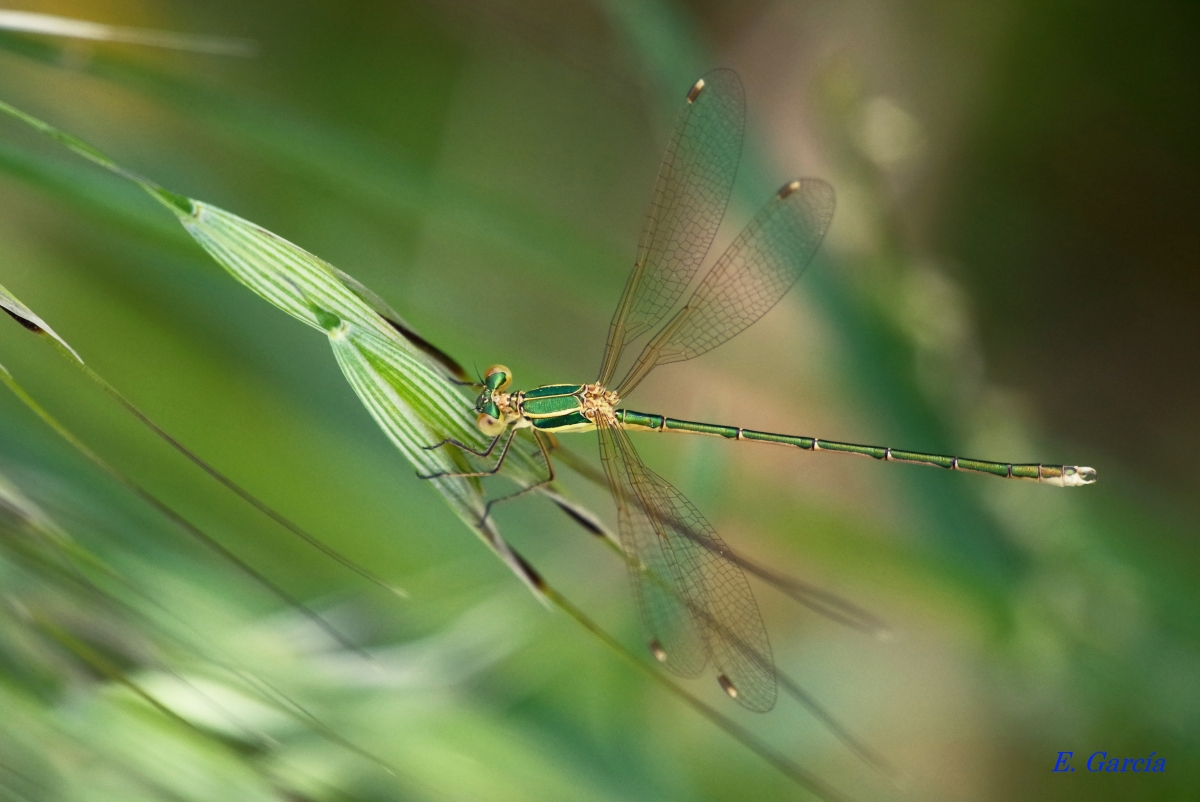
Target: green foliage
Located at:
point(485, 171)
point(406, 395)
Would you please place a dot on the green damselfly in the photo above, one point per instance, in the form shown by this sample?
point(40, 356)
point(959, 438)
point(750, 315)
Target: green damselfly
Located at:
point(693, 596)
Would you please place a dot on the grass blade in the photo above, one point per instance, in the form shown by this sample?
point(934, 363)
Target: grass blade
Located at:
point(67, 27)
point(168, 512)
point(25, 316)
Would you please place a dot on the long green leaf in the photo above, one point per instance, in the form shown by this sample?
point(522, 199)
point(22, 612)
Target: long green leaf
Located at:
point(412, 403)
point(404, 390)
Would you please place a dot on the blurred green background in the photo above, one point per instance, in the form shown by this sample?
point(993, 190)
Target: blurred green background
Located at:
point(1010, 275)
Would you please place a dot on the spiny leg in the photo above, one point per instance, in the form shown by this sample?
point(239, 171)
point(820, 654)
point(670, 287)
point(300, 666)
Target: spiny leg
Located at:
point(491, 472)
point(464, 447)
point(487, 510)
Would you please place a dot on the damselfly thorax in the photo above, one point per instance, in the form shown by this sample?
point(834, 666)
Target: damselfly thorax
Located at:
point(550, 408)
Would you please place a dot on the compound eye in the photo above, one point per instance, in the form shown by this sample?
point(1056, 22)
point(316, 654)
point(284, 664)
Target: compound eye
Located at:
point(497, 377)
point(489, 425)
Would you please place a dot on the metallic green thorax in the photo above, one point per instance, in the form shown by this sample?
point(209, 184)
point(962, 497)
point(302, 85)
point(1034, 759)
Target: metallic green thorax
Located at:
point(555, 407)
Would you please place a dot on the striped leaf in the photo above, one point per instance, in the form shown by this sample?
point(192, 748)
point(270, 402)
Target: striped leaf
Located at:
point(402, 387)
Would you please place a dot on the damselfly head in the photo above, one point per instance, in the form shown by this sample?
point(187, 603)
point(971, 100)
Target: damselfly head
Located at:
point(491, 419)
point(497, 377)
point(495, 381)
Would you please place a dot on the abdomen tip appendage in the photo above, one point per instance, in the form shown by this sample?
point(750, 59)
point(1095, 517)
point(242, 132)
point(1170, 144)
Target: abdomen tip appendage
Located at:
point(1077, 476)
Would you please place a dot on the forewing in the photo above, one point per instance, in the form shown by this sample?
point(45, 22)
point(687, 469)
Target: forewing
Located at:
point(694, 183)
point(751, 276)
point(709, 586)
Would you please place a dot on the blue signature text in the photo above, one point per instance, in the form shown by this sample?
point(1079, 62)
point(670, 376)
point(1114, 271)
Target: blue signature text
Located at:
point(1100, 761)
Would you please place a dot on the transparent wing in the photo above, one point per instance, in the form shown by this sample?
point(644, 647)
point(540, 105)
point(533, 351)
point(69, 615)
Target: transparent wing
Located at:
point(694, 183)
point(751, 276)
point(678, 642)
point(696, 603)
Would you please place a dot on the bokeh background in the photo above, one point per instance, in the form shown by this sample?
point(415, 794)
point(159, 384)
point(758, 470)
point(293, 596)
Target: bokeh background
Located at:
point(1010, 275)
